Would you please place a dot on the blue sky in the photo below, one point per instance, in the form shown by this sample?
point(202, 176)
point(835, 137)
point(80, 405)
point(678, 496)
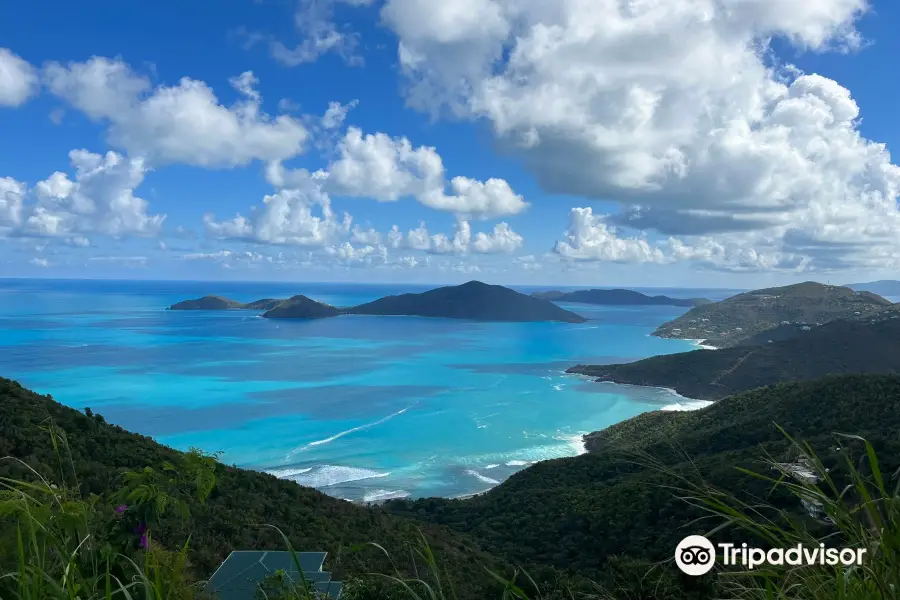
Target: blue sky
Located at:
point(703, 143)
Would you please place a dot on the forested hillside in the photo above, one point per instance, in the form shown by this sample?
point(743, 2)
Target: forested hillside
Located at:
point(579, 513)
point(240, 504)
point(836, 347)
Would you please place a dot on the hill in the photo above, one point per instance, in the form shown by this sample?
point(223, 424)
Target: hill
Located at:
point(733, 320)
point(220, 303)
point(301, 307)
point(836, 347)
point(473, 300)
point(207, 303)
point(579, 513)
point(241, 503)
point(617, 297)
point(883, 287)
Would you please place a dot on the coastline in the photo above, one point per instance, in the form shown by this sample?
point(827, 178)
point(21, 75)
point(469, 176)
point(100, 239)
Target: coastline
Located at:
point(690, 404)
point(700, 345)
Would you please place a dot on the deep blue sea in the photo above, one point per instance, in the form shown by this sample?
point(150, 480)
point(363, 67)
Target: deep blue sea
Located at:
point(361, 407)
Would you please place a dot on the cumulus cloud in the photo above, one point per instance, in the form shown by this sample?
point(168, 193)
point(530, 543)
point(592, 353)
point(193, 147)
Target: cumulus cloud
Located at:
point(12, 195)
point(671, 109)
point(386, 169)
point(18, 79)
point(300, 215)
point(589, 237)
point(183, 123)
point(502, 239)
point(98, 200)
point(39, 262)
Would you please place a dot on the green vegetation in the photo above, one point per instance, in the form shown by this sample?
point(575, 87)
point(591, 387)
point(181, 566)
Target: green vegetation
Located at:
point(91, 511)
point(733, 320)
point(617, 297)
point(97, 456)
point(833, 348)
point(472, 300)
point(220, 303)
point(581, 515)
point(301, 307)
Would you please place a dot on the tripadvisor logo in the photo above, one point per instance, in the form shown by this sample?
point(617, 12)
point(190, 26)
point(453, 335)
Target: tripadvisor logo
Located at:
point(696, 555)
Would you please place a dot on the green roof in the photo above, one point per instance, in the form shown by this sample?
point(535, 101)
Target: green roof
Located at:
point(237, 578)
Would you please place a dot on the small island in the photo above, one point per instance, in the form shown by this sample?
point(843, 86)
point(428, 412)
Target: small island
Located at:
point(473, 300)
point(220, 303)
point(617, 297)
point(734, 320)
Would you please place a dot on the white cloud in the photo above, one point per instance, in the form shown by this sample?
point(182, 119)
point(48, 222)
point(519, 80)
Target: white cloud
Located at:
point(299, 215)
point(386, 169)
point(370, 236)
point(18, 79)
point(501, 240)
point(589, 237)
point(349, 254)
point(314, 22)
point(39, 262)
point(183, 123)
point(12, 194)
point(336, 114)
point(99, 200)
point(671, 109)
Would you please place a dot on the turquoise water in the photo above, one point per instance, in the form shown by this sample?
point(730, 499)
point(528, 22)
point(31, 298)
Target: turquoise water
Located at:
point(364, 408)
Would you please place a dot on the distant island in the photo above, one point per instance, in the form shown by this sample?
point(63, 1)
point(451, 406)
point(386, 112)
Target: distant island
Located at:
point(617, 297)
point(734, 320)
point(301, 307)
point(883, 287)
point(844, 346)
point(473, 300)
point(220, 303)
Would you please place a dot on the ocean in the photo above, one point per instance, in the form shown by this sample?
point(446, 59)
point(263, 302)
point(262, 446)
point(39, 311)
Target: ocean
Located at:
point(363, 408)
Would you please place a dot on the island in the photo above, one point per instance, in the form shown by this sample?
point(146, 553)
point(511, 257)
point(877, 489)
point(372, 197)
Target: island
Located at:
point(843, 346)
point(301, 307)
point(474, 300)
point(883, 287)
point(221, 303)
point(733, 320)
point(617, 297)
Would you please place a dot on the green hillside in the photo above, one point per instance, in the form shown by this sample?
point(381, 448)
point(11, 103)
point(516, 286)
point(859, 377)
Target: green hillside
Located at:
point(240, 504)
point(836, 347)
point(579, 513)
point(730, 321)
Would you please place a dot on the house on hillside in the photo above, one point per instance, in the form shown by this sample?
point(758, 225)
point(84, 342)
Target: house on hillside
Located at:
point(241, 575)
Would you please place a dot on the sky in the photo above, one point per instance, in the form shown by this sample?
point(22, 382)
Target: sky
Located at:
point(654, 143)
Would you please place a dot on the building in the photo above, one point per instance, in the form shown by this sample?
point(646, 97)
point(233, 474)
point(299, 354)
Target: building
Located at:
point(240, 575)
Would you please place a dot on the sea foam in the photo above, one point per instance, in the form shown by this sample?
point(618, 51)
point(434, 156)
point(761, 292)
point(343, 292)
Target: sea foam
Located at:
point(381, 495)
point(326, 475)
point(481, 477)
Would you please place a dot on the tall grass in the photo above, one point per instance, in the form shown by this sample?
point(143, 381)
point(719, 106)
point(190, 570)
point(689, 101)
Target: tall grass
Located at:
point(56, 544)
point(857, 506)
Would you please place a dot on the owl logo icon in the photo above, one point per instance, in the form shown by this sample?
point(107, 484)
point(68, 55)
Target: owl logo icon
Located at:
point(695, 555)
